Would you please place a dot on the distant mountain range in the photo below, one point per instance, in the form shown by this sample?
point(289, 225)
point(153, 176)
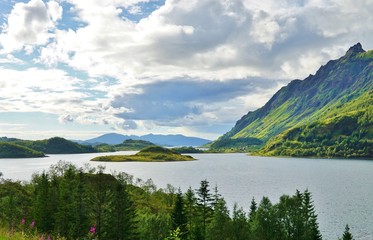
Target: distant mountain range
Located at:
point(329, 114)
point(162, 140)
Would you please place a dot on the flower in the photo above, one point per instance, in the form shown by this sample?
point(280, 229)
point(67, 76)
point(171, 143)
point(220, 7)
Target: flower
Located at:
point(92, 230)
point(23, 221)
point(32, 225)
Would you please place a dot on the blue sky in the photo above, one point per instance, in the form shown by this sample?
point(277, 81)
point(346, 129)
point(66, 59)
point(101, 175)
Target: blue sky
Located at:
point(81, 68)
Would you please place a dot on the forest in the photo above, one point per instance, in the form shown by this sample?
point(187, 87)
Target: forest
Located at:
point(67, 202)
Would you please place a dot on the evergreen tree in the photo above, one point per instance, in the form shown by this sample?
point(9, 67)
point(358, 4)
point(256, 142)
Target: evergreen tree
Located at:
point(219, 228)
point(179, 219)
point(204, 200)
point(263, 226)
point(240, 226)
point(253, 208)
point(190, 202)
point(121, 216)
point(347, 235)
point(43, 210)
point(312, 227)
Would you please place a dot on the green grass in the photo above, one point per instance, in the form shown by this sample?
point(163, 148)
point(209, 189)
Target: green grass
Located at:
point(149, 154)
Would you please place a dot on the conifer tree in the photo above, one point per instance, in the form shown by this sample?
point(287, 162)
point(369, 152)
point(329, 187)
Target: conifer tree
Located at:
point(347, 235)
point(179, 219)
point(204, 200)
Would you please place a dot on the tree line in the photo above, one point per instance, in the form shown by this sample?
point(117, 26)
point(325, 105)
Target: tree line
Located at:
point(85, 203)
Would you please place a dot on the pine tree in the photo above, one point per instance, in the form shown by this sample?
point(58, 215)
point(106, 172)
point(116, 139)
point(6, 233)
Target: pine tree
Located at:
point(240, 226)
point(347, 235)
point(190, 202)
point(204, 201)
point(179, 219)
point(219, 228)
point(253, 208)
point(312, 227)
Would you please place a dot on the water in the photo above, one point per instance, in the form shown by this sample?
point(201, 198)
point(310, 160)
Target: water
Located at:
point(342, 189)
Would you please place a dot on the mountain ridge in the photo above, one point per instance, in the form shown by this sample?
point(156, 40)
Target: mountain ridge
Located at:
point(159, 139)
point(305, 101)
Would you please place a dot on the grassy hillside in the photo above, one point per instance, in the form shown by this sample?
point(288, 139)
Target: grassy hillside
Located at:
point(346, 131)
point(10, 150)
point(55, 145)
point(149, 154)
point(340, 84)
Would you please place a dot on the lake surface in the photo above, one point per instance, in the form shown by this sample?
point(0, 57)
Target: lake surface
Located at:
point(342, 189)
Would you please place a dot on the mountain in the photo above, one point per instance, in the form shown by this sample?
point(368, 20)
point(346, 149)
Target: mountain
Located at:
point(163, 140)
point(55, 145)
point(10, 150)
point(334, 106)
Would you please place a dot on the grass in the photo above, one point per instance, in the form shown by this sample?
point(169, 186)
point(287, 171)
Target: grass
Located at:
point(149, 154)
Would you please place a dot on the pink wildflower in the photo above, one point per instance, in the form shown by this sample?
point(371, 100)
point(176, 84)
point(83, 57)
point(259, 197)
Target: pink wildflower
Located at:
point(49, 237)
point(92, 230)
point(32, 225)
point(23, 221)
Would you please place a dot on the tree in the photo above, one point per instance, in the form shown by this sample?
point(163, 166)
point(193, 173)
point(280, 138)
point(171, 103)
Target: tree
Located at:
point(263, 224)
point(219, 228)
point(121, 215)
point(253, 208)
point(179, 219)
point(190, 202)
point(312, 231)
point(240, 226)
point(204, 200)
point(347, 235)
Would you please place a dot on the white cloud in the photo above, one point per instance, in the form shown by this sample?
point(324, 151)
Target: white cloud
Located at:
point(29, 24)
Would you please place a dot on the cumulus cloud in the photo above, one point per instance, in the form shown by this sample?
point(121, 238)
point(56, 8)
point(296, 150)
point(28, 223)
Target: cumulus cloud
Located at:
point(211, 39)
point(30, 24)
point(180, 102)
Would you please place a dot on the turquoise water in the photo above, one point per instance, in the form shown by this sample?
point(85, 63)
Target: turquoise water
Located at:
point(342, 189)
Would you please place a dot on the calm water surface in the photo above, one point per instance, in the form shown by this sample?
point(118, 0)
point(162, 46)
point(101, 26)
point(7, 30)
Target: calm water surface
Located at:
point(342, 189)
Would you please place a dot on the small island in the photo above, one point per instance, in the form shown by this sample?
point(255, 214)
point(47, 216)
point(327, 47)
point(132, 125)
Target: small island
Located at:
point(149, 154)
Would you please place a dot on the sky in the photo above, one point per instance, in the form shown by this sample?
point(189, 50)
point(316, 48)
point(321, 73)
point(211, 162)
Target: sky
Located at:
point(81, 68)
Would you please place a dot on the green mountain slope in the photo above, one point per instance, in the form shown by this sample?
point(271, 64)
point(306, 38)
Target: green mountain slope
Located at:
point(346, 131)
point(55, 145)
point(315, 99)
point(10, 150)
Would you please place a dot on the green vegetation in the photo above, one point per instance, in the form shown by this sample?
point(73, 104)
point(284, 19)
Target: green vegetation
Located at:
point(55, 145)
point(69, 203)
point(328, 114)
point(236, 144)
point(133, 145)
point(346, 131)
point(187, 150)
point(149, 154)
point(10, 150)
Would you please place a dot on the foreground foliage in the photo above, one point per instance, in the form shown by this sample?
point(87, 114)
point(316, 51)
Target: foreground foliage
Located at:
point(71, 203)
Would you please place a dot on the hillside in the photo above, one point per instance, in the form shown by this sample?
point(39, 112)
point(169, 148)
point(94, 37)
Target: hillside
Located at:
point(338, 96)
point(149, 154)
point(55, 145)
point(10, 150)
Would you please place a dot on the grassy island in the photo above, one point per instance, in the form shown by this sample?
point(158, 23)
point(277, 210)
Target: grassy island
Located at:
point(149, 154)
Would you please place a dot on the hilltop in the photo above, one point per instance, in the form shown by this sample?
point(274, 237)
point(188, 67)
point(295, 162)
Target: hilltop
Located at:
point(149, 154)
